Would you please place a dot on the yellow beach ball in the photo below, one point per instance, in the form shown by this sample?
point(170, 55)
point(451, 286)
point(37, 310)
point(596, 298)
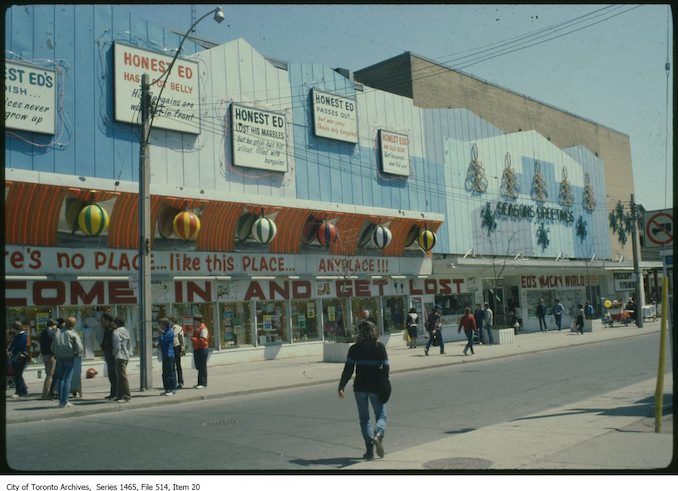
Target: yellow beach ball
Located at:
point(92, 219)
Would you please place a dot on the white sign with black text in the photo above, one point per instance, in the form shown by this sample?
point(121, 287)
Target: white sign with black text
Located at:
point(179, 107)
point(624, 282)
point(30, 98)
point(259, 138)
point(334, 117)
point(395, 153)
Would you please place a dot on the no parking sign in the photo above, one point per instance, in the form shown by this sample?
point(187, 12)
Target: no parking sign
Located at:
point(659, 228)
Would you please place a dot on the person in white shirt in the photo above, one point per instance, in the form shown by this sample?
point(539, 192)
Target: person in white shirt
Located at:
point(488, 321)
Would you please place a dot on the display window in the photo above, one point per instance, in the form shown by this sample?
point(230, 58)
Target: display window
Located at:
point(34, 320)
point(271, 323)
point(371, 304)
point(394, 314)
point(549, 297)
point(304, 321)
point(455, 304)
point(88, 326)
point(335, 321)
point(184, 313)
point(236, 324)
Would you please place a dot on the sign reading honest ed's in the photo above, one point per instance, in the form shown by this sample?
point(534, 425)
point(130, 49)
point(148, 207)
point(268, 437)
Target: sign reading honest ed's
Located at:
point(334, 117)
point(259, 138)
point(179, 106)
point(395, 154)
point(30, 98)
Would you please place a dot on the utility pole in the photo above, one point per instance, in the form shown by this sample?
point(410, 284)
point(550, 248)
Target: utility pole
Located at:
point(640, 294)
point(145, 318)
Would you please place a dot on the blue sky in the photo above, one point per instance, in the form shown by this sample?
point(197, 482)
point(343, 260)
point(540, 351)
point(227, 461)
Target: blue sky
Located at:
point(606, 65)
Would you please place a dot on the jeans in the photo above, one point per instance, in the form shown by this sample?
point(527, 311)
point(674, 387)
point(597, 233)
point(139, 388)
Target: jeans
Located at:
point(363, 399)
point(112, 375)
point(50, 367)
point(177, 364)
point(469, 340)
point(122, 384)
point(542, 324)
point(200, 359)
point(169, 376)
point(490, 336)
point(558, 319)
point(19, 384)
point(64, 373)
point(440, 340)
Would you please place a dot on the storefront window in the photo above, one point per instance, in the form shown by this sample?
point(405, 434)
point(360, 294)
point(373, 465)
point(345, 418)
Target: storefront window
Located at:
point(184, 313)
point(88, 326)
point(455, 304)
point(34, 320)
point(394, 314)
point(334, 315)
point(271, 323)
point(370, 304)
point(304, 321)
point(236, 324)
point(549, 297)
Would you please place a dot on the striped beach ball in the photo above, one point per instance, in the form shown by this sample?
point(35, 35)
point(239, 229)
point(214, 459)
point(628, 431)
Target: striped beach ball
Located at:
point(92, 219)
point(186, 225)
point(327, 233)
point(426, 239)
point(264, 230)
point(382, 236)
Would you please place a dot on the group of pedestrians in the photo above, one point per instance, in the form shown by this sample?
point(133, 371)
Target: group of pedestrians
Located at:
point(558, 309)
point(171, 348)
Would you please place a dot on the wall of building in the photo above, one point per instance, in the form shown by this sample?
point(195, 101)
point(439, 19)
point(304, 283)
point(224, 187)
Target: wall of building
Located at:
point(435, 86)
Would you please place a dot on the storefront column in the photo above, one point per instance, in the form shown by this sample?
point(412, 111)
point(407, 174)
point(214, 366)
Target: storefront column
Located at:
point(321, 318)
point(254, 327)
point(381, 317)
point(290, 334)
point(217, 325)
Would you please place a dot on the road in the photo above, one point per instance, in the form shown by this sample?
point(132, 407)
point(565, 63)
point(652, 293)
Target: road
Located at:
point(311, 429)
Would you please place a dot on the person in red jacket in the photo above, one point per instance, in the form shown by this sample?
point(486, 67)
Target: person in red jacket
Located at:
point(468, 322)
point(200, 341)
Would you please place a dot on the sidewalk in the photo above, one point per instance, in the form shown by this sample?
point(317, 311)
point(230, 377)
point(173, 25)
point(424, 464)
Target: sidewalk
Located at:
point(526, 443)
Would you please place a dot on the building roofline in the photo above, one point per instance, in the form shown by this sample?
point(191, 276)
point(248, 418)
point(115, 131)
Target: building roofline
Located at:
point(411, 54)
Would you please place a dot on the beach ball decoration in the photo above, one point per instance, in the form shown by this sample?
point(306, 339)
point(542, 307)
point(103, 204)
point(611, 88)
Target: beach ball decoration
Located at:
point(327, 233)
point(92, 220)
point(264, 230)
point(186, 225)
point(91, 373)
point(426, 239)
point(607, 304)
point(382, 236)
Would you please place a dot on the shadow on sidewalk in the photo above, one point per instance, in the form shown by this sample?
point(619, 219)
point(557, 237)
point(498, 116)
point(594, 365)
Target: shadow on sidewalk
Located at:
point(643, 408)
point(337, 462)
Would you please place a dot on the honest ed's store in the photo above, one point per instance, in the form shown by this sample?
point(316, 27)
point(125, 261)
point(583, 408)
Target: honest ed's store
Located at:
point(249, 300)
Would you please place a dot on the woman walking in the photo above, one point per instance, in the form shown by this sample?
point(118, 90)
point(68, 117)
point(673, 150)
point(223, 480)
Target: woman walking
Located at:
point(412, 326)
point(367, 357)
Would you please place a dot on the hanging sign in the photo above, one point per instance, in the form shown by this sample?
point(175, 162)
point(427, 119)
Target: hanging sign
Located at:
point(624, 282)
point(179, 107)
point(395, 154)
point(334, 117)
point(30, 98)
point(659, 228)
point(259, 138)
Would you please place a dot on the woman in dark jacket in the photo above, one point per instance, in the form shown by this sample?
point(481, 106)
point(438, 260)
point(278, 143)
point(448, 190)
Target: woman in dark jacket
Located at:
point(367, 356)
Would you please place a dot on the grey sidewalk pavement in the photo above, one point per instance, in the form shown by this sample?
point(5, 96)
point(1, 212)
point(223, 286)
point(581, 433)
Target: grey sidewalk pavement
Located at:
point(594, 421)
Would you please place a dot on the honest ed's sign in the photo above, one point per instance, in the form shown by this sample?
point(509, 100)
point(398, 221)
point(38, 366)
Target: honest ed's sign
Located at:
point(334, 117)
point(395, 154)
point(179, 107)
point(30, 98)
point(259, 138)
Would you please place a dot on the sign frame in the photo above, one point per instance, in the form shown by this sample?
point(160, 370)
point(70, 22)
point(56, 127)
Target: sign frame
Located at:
point(328, 122)
point(247, 140)
point(388, 151)
point(49, 125)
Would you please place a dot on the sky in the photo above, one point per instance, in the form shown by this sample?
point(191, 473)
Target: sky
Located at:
point(605, 63)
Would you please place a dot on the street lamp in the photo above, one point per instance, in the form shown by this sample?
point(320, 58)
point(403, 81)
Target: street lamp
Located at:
point(148, 112)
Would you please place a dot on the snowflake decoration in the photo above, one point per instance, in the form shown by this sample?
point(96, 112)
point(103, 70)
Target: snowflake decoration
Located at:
point(589, 198)
point(488, 220)
point(621, 223)
point(543, 236)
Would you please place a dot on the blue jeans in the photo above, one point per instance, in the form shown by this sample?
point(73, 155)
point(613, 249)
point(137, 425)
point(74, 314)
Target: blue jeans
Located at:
point(64, 374)
point(440, 340)
point(19, 383)
point(363, 399)
point(558, 319)
point(490, 337)
point(200, 359)
point(169, 376)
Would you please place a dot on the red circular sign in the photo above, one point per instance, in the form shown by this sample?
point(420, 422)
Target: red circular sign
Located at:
point(659, 229)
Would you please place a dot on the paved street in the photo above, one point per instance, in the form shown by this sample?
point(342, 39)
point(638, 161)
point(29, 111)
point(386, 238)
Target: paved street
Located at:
point(455, 408)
